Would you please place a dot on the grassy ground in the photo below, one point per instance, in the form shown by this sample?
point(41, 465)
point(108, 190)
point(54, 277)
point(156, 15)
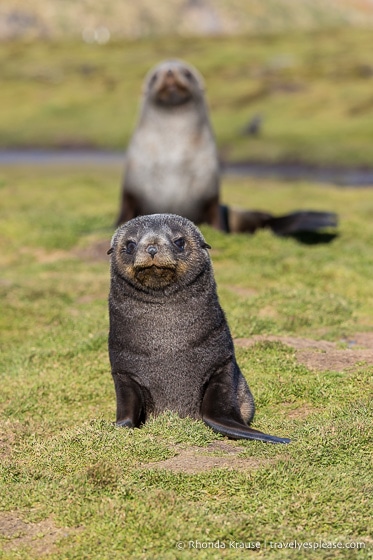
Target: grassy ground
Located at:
point(73, 486)
point(314, 91)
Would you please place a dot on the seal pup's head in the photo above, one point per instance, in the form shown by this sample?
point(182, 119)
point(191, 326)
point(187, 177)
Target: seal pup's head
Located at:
point(173, 83)
point(159, 252)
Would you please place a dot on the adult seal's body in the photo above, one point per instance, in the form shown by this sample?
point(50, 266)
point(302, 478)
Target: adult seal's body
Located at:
point(169, 344)
point(172, 162)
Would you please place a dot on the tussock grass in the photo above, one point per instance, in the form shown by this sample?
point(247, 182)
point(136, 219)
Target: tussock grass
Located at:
point(62, 460)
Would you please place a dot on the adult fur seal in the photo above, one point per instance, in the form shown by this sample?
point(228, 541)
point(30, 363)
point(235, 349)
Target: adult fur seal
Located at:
point(170, 346)
point(172, 164)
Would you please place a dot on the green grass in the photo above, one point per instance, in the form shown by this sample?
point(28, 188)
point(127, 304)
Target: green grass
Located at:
point(62, 460)
point(314, 90)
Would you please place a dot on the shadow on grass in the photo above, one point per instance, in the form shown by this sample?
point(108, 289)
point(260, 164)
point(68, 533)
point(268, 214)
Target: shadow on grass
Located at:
point(313, 237)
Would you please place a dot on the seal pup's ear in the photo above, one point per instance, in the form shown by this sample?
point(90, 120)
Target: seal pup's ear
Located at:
point(112, 244)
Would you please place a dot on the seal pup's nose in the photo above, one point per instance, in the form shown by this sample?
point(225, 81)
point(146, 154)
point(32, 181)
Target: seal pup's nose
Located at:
point(152, 250)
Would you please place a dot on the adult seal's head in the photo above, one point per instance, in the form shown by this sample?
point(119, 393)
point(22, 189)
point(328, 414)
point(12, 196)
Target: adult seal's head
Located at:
point(173, 83)
point(159, 252)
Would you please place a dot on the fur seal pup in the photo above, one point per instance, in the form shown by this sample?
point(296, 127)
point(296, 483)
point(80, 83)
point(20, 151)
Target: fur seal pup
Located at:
point(170, 346)
point(172, 163)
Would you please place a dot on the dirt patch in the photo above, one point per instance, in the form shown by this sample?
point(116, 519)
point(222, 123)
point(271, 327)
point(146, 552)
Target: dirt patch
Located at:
point(335, 360)
point(244, 292)
point(218, 455)
point(297, 343)
point(7, 442)
point(96, 252)
point(364, 340)
point(298, 413)
point(11, 433)
point(267, 312)
point(41, 537)
point(45, 257)
point(323, 355)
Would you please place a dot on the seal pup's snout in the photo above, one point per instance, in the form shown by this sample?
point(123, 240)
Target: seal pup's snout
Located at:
point(152, 250)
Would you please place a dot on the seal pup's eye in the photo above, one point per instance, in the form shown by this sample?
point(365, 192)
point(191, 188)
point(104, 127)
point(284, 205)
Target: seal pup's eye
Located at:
point(130, 247)
point(180, 243)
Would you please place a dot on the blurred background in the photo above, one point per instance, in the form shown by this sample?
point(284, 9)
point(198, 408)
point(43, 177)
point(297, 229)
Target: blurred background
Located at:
point(287, 81)
point(120, 19)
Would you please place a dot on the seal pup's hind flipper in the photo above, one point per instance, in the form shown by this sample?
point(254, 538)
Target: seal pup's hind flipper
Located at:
point(235, 430)
point(221, 413)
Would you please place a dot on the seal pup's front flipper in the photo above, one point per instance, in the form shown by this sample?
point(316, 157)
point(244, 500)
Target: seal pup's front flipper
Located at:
point(130, 402)
point(221, 413)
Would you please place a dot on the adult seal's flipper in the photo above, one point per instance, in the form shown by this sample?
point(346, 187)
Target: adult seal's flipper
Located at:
point(305, 220)
point(222, 415)
point(248, 221)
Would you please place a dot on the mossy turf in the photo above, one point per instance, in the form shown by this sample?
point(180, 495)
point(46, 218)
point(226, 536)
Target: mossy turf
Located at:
point(63, 461)
point(313, 91)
